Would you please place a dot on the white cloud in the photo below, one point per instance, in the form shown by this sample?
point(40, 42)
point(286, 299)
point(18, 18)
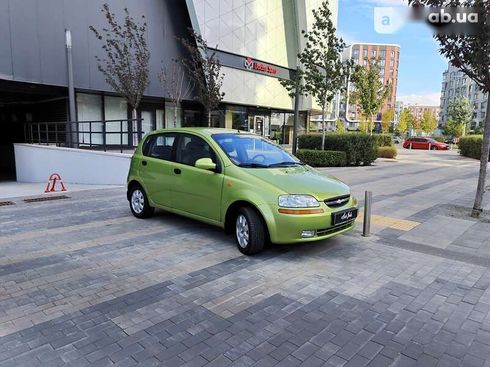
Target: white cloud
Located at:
point(429, 99)
point(386, 2)
point(349, 38)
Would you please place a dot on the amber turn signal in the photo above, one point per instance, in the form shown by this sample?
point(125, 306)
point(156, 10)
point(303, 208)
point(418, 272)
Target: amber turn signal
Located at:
point(300, 211)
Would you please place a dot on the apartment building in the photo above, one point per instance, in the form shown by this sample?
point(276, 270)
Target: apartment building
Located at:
point(388, 56)
point(456, 84)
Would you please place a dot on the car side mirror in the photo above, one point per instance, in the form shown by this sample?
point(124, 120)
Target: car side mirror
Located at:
point(206, 164)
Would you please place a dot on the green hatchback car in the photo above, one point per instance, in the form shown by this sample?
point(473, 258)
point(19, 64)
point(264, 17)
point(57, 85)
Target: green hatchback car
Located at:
point(240, 182)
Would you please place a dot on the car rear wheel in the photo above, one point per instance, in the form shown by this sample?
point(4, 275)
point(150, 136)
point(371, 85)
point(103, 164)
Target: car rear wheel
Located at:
point(250, 231)
point(138, 202)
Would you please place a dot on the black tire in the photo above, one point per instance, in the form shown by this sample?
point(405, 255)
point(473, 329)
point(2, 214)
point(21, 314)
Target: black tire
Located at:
point(256, 234)
point(138, 203)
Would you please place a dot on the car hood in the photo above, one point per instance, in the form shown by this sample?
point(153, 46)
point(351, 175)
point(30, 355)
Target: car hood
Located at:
point(302, 180)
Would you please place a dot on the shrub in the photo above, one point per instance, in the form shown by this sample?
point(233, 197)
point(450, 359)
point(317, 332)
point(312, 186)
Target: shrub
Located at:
point(383, 140)
point(387, 152)
point(322, 158)
point(470, 146)
point(359, 148)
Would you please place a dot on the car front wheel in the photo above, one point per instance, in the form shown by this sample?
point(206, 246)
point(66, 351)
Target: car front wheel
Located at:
point(250, 231)
point(138, 202)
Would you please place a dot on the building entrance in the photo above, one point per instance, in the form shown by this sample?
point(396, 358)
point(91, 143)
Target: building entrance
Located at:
point(21, 103)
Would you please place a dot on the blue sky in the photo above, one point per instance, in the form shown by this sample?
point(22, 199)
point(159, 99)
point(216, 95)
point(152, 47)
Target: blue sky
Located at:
point(421, 65)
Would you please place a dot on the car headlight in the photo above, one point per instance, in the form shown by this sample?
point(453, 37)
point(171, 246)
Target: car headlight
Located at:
point(297, 201)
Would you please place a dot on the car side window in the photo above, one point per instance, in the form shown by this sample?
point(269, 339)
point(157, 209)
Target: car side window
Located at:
point(160, 146)
point(190, 148)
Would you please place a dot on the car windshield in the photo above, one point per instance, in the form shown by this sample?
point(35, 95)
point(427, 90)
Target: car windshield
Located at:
point(253, 151)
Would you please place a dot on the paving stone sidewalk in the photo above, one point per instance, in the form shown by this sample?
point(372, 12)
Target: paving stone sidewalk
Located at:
point(83, 283)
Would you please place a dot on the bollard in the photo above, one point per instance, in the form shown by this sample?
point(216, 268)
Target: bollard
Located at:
point(366, 225)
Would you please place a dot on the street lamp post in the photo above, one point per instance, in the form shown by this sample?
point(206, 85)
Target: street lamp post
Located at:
point(71, 87)
point(296, 116)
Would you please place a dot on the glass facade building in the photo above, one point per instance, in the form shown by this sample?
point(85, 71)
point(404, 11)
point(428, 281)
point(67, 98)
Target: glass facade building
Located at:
point(257, 43)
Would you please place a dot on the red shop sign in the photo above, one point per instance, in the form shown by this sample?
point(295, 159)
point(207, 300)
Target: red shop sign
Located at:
point(251, 64)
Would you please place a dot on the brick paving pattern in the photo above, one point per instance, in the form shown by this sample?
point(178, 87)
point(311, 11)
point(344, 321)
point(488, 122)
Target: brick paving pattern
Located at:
point(83, 283)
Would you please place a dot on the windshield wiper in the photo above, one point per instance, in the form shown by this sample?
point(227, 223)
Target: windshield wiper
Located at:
point(286, 164)
point(253, 165)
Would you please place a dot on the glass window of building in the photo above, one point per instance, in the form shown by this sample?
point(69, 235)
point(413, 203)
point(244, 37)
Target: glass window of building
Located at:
point(191, 118)
point(89, 109)
point(116, 108)
point(364, 52)
point(236, 117)
point(382, 54)
point(277, 122)
point(374, 53)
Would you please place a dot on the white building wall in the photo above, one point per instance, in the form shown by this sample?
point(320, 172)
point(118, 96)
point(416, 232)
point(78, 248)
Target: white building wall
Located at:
point(254, 89)
point(35, 163)
point(456, 84)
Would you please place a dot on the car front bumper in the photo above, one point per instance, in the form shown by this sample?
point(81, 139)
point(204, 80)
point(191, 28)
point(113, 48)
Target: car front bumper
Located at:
point(290, 228)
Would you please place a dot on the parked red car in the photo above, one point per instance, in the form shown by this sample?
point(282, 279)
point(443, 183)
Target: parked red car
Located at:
point(424, 143)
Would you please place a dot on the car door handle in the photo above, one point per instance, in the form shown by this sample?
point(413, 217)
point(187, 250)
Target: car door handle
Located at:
point(144, 163)
point(177, 171)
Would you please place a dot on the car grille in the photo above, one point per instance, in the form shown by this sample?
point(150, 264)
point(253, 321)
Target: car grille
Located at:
point(325, 231)
point(337, 201)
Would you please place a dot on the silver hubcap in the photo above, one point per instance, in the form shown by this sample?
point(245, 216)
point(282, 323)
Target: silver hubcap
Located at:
point(137, 201)
point(242, 231)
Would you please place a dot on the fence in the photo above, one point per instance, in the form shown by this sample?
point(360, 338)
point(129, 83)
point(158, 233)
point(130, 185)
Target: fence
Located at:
point(100, 135)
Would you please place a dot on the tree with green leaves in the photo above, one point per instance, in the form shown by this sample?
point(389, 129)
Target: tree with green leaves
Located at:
point(471, 54)
point(460, 111)
point(126, 62)
point(387, 120)
point(428, 122)
point(452, 129)
point(369, 92)
point(324, 73)
point(204, 68)
point(405, 121)
point(339, 126)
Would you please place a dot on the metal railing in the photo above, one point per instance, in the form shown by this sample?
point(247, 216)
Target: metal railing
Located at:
point(98, 135)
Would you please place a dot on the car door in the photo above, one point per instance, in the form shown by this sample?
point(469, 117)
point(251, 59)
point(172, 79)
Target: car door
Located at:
point(156, 167)
point(196, 191)
point(424, 144)
point(418, 143)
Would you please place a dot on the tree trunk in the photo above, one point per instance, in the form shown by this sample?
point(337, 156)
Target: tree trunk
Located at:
point(323, 127)
point(134, 124)
point(485, 151)
point(295, 122)
point(175, 115)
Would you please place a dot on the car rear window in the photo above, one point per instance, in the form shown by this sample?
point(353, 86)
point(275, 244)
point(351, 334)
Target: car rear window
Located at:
point(159, 146)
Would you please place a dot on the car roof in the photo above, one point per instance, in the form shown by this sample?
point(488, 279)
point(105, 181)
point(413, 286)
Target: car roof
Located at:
point(208, 131)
